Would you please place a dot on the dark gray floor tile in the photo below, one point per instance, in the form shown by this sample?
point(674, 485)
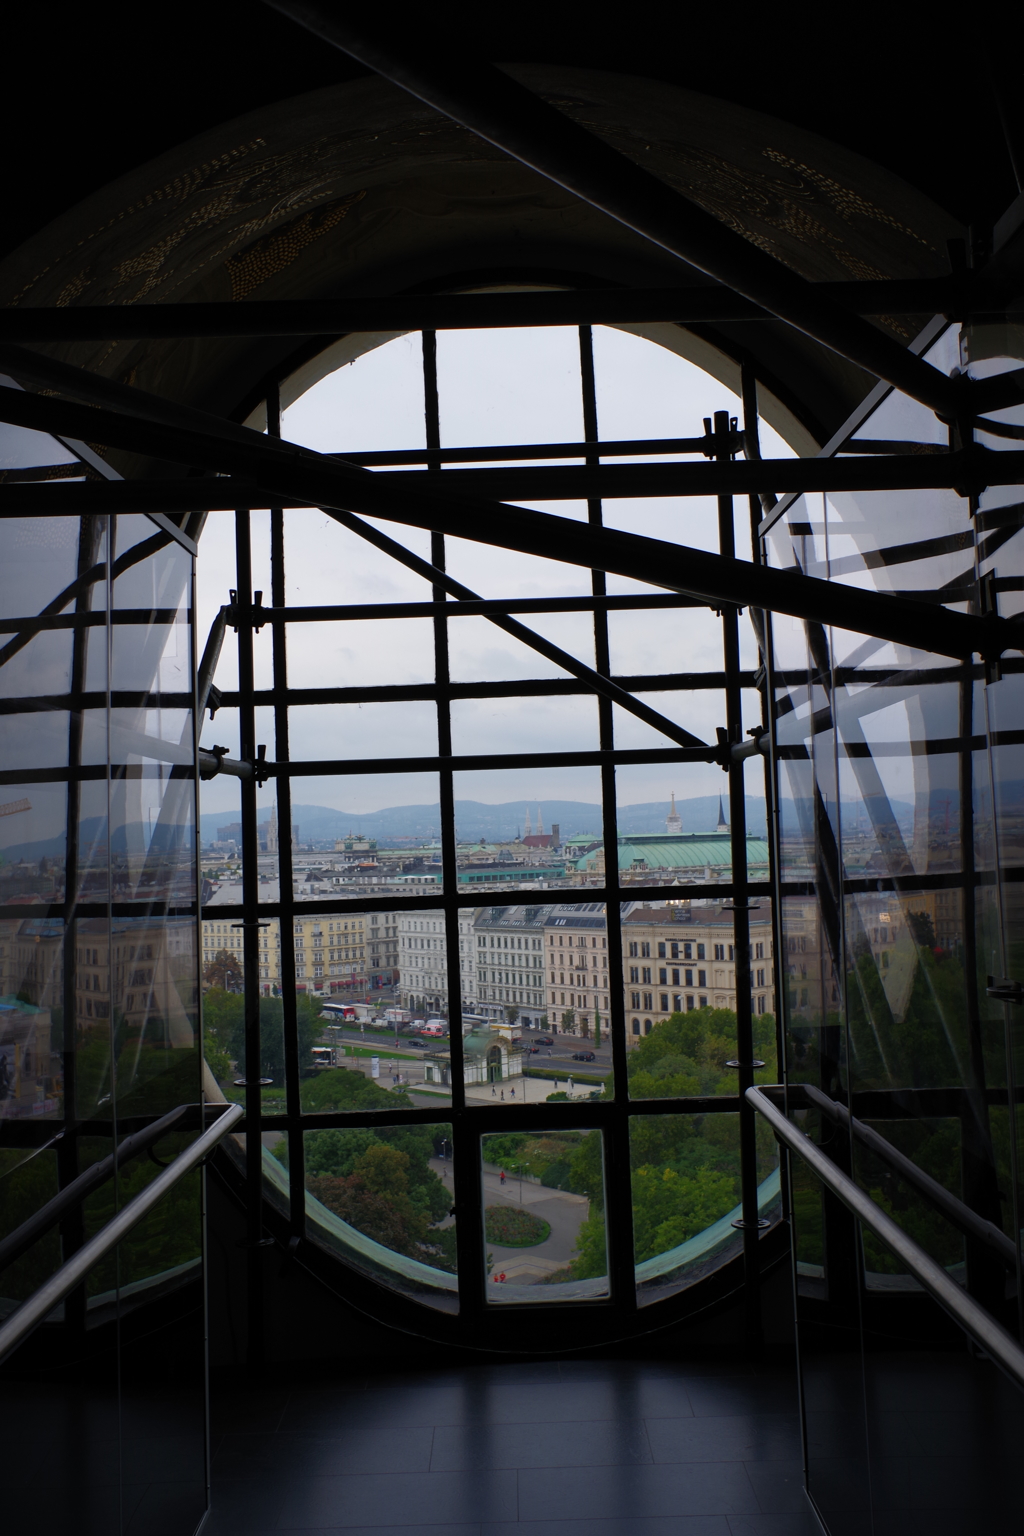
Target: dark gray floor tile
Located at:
point(597, 1443)
point(286, 1456)
point(242, 1509)
point(742, 1437)
point(557, 1403)
point(328, 1413)
point(779, 1486)
point(404, 1498)
point(726, 1396)
point(624, 1493)
point(800, 1523)
point(474, 1528)
point(670, 1525)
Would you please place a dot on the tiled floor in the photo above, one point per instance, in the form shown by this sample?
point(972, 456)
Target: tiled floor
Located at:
point(560, 1449)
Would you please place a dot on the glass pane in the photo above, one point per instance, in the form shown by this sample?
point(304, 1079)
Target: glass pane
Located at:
point(151, 985)
point(370, 990)
point(687, 1193)
point(673, 822)
point(31, 1018)
point(544, 1225)
point(374, 403)
point(540, 1027)
point(328, 564)
point(381, 1200)
point(510, 386)
point(498, 845)
point(679, 976)
point(367, 653)
point(28, 1180)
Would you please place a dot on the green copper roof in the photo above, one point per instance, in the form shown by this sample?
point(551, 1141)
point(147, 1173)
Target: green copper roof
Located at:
point(666, 850)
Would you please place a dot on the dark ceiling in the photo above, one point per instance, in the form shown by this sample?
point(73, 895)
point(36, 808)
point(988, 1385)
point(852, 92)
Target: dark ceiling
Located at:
point(921, 92)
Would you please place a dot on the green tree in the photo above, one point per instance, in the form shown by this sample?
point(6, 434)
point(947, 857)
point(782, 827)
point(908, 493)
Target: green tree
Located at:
point(224, 970)
point(512, 1015)
point(344, 1088)
point(671, 1207)
point(591, 1261)
point(224, 1026)
point(586, 1170)
point(568, 1021)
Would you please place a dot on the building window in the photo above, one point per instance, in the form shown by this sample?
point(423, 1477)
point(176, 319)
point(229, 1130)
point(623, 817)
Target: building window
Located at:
point(664, 1002)
point(636, 1026)
point(647, 1026)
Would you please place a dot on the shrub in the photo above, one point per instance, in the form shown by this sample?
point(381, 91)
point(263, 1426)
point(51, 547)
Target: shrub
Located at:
point(512, 1227)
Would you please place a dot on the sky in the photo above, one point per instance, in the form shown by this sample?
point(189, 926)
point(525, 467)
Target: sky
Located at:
point(495, 387)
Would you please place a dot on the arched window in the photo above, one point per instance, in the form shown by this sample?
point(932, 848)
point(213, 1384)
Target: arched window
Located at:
point(470, 718)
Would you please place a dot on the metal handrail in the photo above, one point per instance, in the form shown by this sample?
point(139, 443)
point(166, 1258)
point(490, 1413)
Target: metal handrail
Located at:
point(21, 1239)
point(955, 1211)
point(991, 1336)
point(31, 1312)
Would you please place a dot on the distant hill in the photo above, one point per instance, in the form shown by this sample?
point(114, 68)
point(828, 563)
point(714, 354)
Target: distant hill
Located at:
point(474, 819)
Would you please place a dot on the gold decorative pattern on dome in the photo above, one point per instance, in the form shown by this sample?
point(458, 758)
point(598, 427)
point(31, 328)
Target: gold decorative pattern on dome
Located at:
point(265, 257)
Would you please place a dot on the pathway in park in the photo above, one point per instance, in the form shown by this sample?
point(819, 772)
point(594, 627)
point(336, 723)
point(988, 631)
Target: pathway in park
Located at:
point(564, 1213)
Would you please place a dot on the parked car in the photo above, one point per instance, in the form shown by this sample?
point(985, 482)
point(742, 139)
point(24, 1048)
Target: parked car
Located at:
point(545, 1040)
point(583, 1056)
point(418, 1045)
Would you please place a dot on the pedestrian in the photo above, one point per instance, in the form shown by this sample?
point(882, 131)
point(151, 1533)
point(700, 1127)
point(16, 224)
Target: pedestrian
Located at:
point(513, 1092)
point(503, 1175)
point(494, 1092)
point(503, 1095)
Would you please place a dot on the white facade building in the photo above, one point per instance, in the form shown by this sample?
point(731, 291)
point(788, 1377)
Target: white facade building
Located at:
point(423, 962)
point(509, 948)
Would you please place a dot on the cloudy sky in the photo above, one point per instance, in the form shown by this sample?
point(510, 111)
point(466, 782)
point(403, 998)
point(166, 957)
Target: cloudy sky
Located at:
point(495, 387)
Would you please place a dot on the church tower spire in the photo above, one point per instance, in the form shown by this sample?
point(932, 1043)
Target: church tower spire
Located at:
point(723, 825)
point(529, 829)
point(673, 821)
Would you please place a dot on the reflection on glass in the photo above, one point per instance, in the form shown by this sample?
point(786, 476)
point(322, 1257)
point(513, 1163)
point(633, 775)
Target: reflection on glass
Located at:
point(31, 1018)
point(27, 1181)
point(544, 1221)
point(934, 1146)
point(687, 1193)
point(381, 1199)
point(155, 1009)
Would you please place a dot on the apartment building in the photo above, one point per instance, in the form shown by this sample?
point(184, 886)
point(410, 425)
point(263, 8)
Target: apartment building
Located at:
point(330, 952)
point(576, 956)
point(677, 958)
point(509, 952)
point(423, 962)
